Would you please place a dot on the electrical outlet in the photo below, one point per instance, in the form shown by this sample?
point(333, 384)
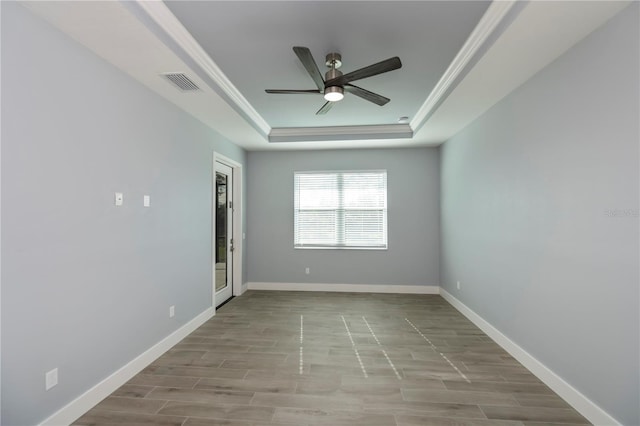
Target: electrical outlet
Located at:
point(307, 271)
point(172, 311)
point(51, 379)
point(146, 201)
point(458, 285)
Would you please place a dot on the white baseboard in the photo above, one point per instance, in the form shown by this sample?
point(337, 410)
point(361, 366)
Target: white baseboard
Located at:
point(347, 288)
point(79, 406)
point(571, 395)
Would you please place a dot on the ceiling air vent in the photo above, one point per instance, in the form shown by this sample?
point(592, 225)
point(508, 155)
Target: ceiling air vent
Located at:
point(182, 81)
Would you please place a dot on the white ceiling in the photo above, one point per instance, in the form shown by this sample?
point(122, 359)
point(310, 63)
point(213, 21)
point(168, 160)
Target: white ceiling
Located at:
point(459, 58)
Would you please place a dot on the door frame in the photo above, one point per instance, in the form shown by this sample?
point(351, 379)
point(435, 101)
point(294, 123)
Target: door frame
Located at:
point(238, 236)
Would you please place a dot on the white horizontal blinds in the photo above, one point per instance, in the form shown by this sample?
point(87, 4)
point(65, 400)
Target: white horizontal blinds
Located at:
point(340, 209)
point(364, 200)
point(317, 202)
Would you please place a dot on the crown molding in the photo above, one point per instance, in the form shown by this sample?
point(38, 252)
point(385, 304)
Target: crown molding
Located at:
point(494, 14)
point(305, 134)
point(167, 21)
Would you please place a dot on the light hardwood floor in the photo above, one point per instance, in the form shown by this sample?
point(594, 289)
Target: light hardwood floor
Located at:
point(300, 358)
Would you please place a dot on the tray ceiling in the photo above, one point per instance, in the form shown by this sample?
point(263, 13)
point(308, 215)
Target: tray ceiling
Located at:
point(459, 58)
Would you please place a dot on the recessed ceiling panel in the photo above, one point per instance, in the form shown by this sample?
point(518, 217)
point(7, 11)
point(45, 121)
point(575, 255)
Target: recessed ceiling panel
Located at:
point(252, 44)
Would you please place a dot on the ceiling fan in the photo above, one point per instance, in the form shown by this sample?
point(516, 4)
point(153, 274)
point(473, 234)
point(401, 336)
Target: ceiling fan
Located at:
point(335, 83)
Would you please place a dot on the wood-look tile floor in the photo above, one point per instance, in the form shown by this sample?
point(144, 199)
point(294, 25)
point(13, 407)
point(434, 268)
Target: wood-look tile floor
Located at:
point(299, 358)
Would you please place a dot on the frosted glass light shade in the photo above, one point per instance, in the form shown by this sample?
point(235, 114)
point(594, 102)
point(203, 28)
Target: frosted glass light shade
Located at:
point(333, 93)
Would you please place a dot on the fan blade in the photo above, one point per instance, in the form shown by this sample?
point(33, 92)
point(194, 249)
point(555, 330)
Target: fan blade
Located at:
point(367, 95)
point(292, 92)
point(325, 108)
point(375, 69)
point(304, 54)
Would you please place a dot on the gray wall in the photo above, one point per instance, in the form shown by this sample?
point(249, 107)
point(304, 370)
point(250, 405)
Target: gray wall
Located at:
point(86, 286)
point(529, 194)
point(413, 219)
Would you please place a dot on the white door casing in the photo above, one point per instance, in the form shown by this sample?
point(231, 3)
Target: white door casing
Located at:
point(231, 268)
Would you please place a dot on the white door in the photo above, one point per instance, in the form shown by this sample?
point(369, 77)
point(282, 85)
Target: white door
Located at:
point(223, 269)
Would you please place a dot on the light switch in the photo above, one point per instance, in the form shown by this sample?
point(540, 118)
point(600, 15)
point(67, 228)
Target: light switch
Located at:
point(146, 201)
point(119, 198)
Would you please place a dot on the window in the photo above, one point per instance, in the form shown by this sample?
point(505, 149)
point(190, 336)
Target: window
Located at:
point(346, 209)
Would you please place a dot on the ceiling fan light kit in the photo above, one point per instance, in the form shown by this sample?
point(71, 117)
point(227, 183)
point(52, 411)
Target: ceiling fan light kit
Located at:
point(334, 84)
point(334, 93)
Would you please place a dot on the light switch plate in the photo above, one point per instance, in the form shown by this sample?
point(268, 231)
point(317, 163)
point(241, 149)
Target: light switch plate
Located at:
point(119, 198)
point(51, 379)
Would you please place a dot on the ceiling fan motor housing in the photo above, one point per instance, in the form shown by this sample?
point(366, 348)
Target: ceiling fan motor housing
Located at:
point(333, 93)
